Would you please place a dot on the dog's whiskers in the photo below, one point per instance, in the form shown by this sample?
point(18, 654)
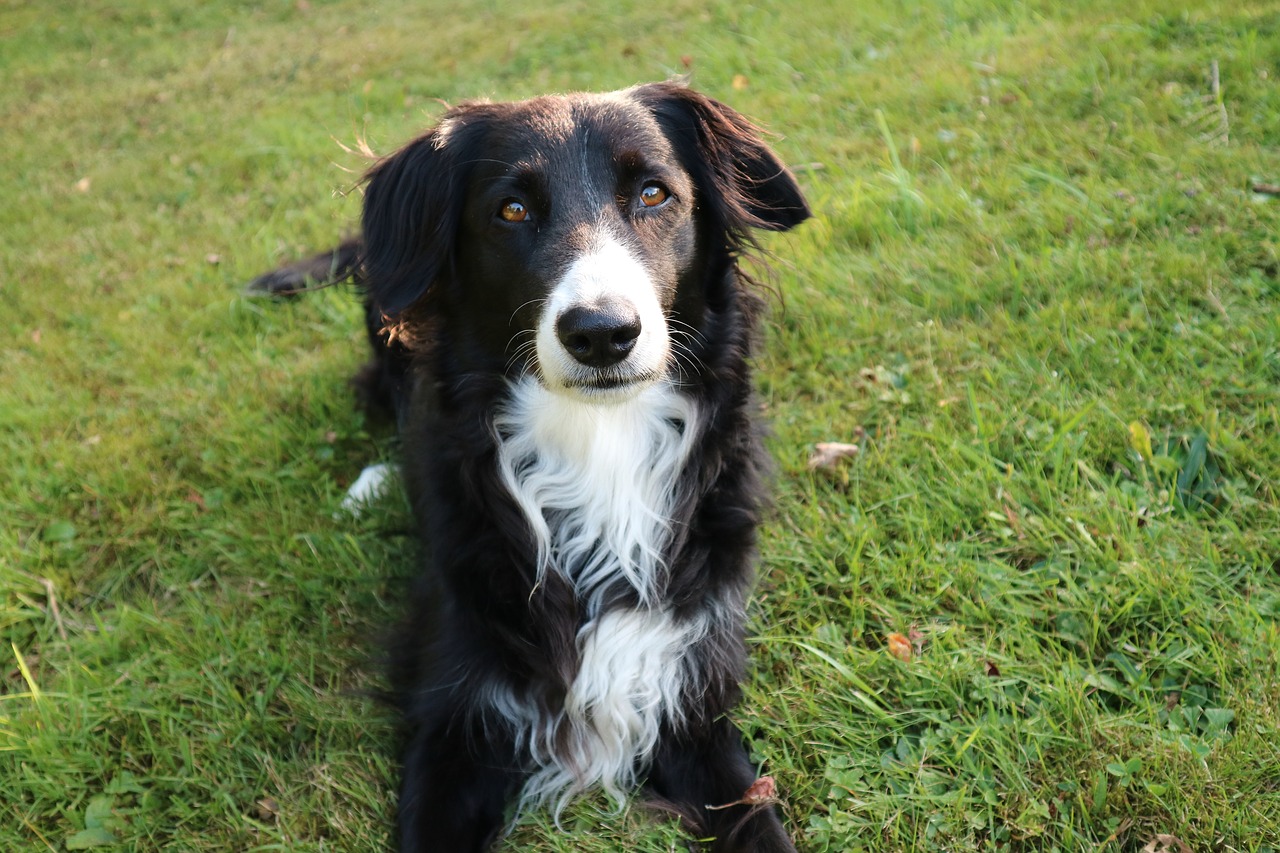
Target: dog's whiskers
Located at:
point(679, 326)
point(540, 300)
point(523, 351)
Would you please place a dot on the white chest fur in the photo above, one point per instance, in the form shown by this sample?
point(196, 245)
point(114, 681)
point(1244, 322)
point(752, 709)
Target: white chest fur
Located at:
point(597, 484)
point(597, 481)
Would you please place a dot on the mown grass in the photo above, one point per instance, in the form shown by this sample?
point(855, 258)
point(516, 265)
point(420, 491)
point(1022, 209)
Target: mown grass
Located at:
point(1040, 292)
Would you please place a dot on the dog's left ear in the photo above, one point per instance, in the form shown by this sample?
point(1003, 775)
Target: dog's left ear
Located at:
point(740, 179)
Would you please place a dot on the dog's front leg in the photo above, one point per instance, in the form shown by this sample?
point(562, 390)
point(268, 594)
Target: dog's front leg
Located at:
point(455, 786)
point(704, 775)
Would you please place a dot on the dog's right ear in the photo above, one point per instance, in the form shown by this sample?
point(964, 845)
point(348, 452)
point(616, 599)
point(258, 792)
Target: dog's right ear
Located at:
point(412, 204)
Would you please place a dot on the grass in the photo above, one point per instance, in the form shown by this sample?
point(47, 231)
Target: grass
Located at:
point(1040, 292)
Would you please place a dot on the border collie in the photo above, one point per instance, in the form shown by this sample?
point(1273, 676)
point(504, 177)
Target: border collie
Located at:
point(561, 327)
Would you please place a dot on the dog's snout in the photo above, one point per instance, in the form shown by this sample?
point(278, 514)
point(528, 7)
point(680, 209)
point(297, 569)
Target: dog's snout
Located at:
point(600, 335)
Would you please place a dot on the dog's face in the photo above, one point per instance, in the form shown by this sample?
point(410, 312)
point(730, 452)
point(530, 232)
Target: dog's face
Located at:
point(562, 232)
point(577, 228)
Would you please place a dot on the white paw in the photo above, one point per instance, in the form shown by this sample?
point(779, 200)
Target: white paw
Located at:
point(372, 483)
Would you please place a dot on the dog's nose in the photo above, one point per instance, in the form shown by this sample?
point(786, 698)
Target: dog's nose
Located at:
point(601, 335)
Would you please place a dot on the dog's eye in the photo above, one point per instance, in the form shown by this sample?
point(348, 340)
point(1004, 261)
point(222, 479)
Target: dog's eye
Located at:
point(513, 210)
point(653, 194)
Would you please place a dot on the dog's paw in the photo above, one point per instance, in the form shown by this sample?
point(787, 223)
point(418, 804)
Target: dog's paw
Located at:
point(372, 483)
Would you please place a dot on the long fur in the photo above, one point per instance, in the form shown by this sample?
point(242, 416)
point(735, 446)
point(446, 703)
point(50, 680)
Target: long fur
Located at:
point(597, 485)
point(569, 363)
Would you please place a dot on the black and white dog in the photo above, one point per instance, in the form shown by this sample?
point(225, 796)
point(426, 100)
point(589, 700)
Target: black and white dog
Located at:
point(560, 324)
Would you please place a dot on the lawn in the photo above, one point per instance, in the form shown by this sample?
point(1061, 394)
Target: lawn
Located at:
point(1039, 609)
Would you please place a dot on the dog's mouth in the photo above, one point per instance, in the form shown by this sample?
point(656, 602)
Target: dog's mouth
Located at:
point(610, 383)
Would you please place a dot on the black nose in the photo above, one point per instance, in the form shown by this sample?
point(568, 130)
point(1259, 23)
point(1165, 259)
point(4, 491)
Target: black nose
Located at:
point(601, 335)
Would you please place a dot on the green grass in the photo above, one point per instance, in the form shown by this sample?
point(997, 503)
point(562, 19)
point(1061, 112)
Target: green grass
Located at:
point(1038, 291)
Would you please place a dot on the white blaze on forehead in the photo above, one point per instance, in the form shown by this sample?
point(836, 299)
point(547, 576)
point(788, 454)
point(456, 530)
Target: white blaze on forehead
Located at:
point(606, 272)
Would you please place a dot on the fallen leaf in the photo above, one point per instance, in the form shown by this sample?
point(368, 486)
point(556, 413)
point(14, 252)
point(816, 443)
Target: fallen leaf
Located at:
point(213, 258)
point(267, 810)
point(686, 60)
point(899, 647)
point(993, 671)
point(827, 453)
point(1166, 844)
point(762, 792)
point(82, 185)
point(740, 82)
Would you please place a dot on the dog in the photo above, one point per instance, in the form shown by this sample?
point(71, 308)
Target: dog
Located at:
point(562, 330)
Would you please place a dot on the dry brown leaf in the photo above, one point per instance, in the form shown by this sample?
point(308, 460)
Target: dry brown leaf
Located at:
point(740, 82)
point(762, 792)
point(900, 647)
point(1166, 844)
point(267, 810)
point(827, 453)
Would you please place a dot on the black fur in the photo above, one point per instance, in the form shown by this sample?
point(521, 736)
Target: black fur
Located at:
point(479, 615)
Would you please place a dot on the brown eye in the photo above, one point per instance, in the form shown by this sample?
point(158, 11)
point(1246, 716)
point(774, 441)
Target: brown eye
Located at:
point(652, 195)
point(514, 211)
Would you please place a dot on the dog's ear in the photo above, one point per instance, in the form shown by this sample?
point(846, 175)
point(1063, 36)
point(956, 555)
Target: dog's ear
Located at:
point(741, 180)
point(412, 203)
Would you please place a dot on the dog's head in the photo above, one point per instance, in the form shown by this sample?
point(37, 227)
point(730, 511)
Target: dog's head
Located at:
point(558, 236)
